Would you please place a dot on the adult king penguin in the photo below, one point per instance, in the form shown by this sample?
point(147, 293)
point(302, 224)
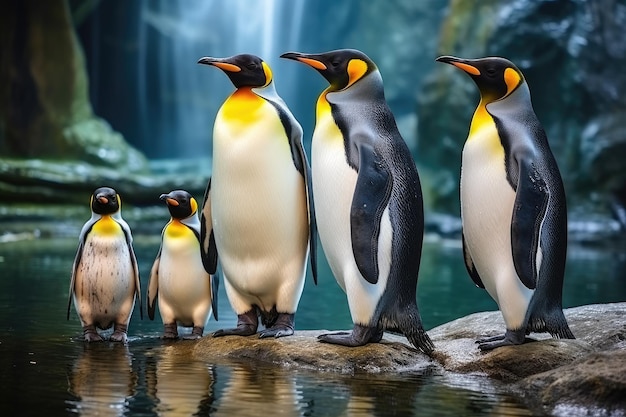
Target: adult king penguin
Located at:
point(105, 277)
point(186, 292)
point(257, 215)
point(512, 205)
point(368, 198)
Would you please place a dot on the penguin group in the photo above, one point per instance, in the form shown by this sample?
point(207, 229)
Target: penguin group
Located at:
point(265, 207)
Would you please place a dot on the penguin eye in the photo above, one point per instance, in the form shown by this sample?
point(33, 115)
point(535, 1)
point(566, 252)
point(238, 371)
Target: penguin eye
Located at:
point(491, 72)
point(251, 66)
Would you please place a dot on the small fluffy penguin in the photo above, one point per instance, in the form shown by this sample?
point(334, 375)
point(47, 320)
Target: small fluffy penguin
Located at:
point(512, 205)
point(368, 200)
point(105, 277)
point(186, 292)
point(257, 214)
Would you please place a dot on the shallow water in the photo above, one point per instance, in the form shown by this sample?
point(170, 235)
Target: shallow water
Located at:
point(48, 370)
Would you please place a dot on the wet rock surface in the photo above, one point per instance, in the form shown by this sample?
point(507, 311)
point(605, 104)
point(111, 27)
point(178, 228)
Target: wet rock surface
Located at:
point(552, 376)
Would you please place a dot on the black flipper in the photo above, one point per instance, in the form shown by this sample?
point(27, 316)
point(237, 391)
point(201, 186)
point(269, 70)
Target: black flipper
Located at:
point(371, 195)
point(79, 254)
point(306, 171)
point(153, 286)
point(528, 213)
point(208, 249)
point(469, 264)
point(215, 286)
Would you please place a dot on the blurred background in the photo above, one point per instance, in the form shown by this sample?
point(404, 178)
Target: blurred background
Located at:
point(110, 91)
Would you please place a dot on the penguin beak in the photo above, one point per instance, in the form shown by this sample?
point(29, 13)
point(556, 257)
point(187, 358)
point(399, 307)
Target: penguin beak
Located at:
point(169, 200)
point(221, 63)
point(310, 60)
point(102, 199)
point(463, 64)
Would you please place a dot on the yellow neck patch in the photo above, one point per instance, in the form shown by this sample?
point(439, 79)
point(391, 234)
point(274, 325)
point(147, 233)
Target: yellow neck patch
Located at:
point(483, 128)
point(241, 107)
point(175, 229)
point(356, 69)
point(106, 226)
point(512, 80)
point(325, 125)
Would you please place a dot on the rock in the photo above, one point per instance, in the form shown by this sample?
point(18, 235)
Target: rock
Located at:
point(550, 374)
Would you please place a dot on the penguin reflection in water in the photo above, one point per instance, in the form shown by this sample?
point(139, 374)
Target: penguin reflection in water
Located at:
point(186, 292)
point(105, 277)
point(368, 199)
point(512, 205)
point(257, 215)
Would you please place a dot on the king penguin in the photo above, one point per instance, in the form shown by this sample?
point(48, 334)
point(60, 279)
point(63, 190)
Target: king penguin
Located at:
point(513, 207)
point(257, 214)
point(105, 277)
point(368, 200)
point(186, 292)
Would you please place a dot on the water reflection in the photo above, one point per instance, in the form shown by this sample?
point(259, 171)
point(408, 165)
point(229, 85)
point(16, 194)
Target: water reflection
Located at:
point(179, 386)
point(252, 391)
point(102, 379)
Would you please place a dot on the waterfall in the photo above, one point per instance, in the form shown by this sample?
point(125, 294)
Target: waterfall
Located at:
point(178, 98)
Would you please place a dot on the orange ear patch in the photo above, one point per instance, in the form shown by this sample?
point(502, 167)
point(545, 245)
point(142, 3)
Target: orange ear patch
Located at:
point(512, 80)
point(356, 69)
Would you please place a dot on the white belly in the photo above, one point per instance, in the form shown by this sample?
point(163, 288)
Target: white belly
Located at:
point(104, 291)
point(487, 201)
point(184, 285)
point(333, 187)
point(260, 220)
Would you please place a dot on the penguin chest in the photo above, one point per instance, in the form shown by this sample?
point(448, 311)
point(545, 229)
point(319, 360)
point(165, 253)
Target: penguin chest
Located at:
point(258, 198)
point(334, 182)
point(105, 282)
point(183, 282)
point(487, 200)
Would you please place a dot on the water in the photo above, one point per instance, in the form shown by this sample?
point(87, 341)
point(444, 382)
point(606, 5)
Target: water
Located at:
point(48, 370)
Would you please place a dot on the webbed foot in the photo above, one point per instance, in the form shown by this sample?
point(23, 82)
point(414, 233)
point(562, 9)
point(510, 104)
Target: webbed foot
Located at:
point(359, 336)
point(170, 331)
point(510, 338)
point(119, 333)
point(283, 326)
point(247, 323)
point(196, 333)
point(91, 335)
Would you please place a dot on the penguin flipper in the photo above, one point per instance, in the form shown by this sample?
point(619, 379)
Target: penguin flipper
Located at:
point(529, 211)
point(299, 155)
point(153, 287)
point(208, 250)
point(79, 254)
point(215, 286)
point(371, 195)
point(133, 259)
point(469, 264)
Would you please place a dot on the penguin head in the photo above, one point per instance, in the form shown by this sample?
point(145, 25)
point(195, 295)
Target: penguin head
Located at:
point(495, 77)
point(341, 68)
point(180, 204)
point(105, 200)
point(243, 70)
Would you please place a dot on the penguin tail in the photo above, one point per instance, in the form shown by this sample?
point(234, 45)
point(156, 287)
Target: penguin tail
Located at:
point(409, 323)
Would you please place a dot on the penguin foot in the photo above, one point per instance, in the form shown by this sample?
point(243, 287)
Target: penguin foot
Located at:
point(119, 333)
point(359, 336)
point(247, 323)
point(91, 335)
point(170, 331)
point(510, 338)
point(283, 327)
point(196, 333)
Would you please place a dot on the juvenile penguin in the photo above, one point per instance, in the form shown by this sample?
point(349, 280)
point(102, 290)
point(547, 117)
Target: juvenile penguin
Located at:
point(513, 206)
point(186, 293)
point(105, 277)
point(368, 199)
point(257, 215)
